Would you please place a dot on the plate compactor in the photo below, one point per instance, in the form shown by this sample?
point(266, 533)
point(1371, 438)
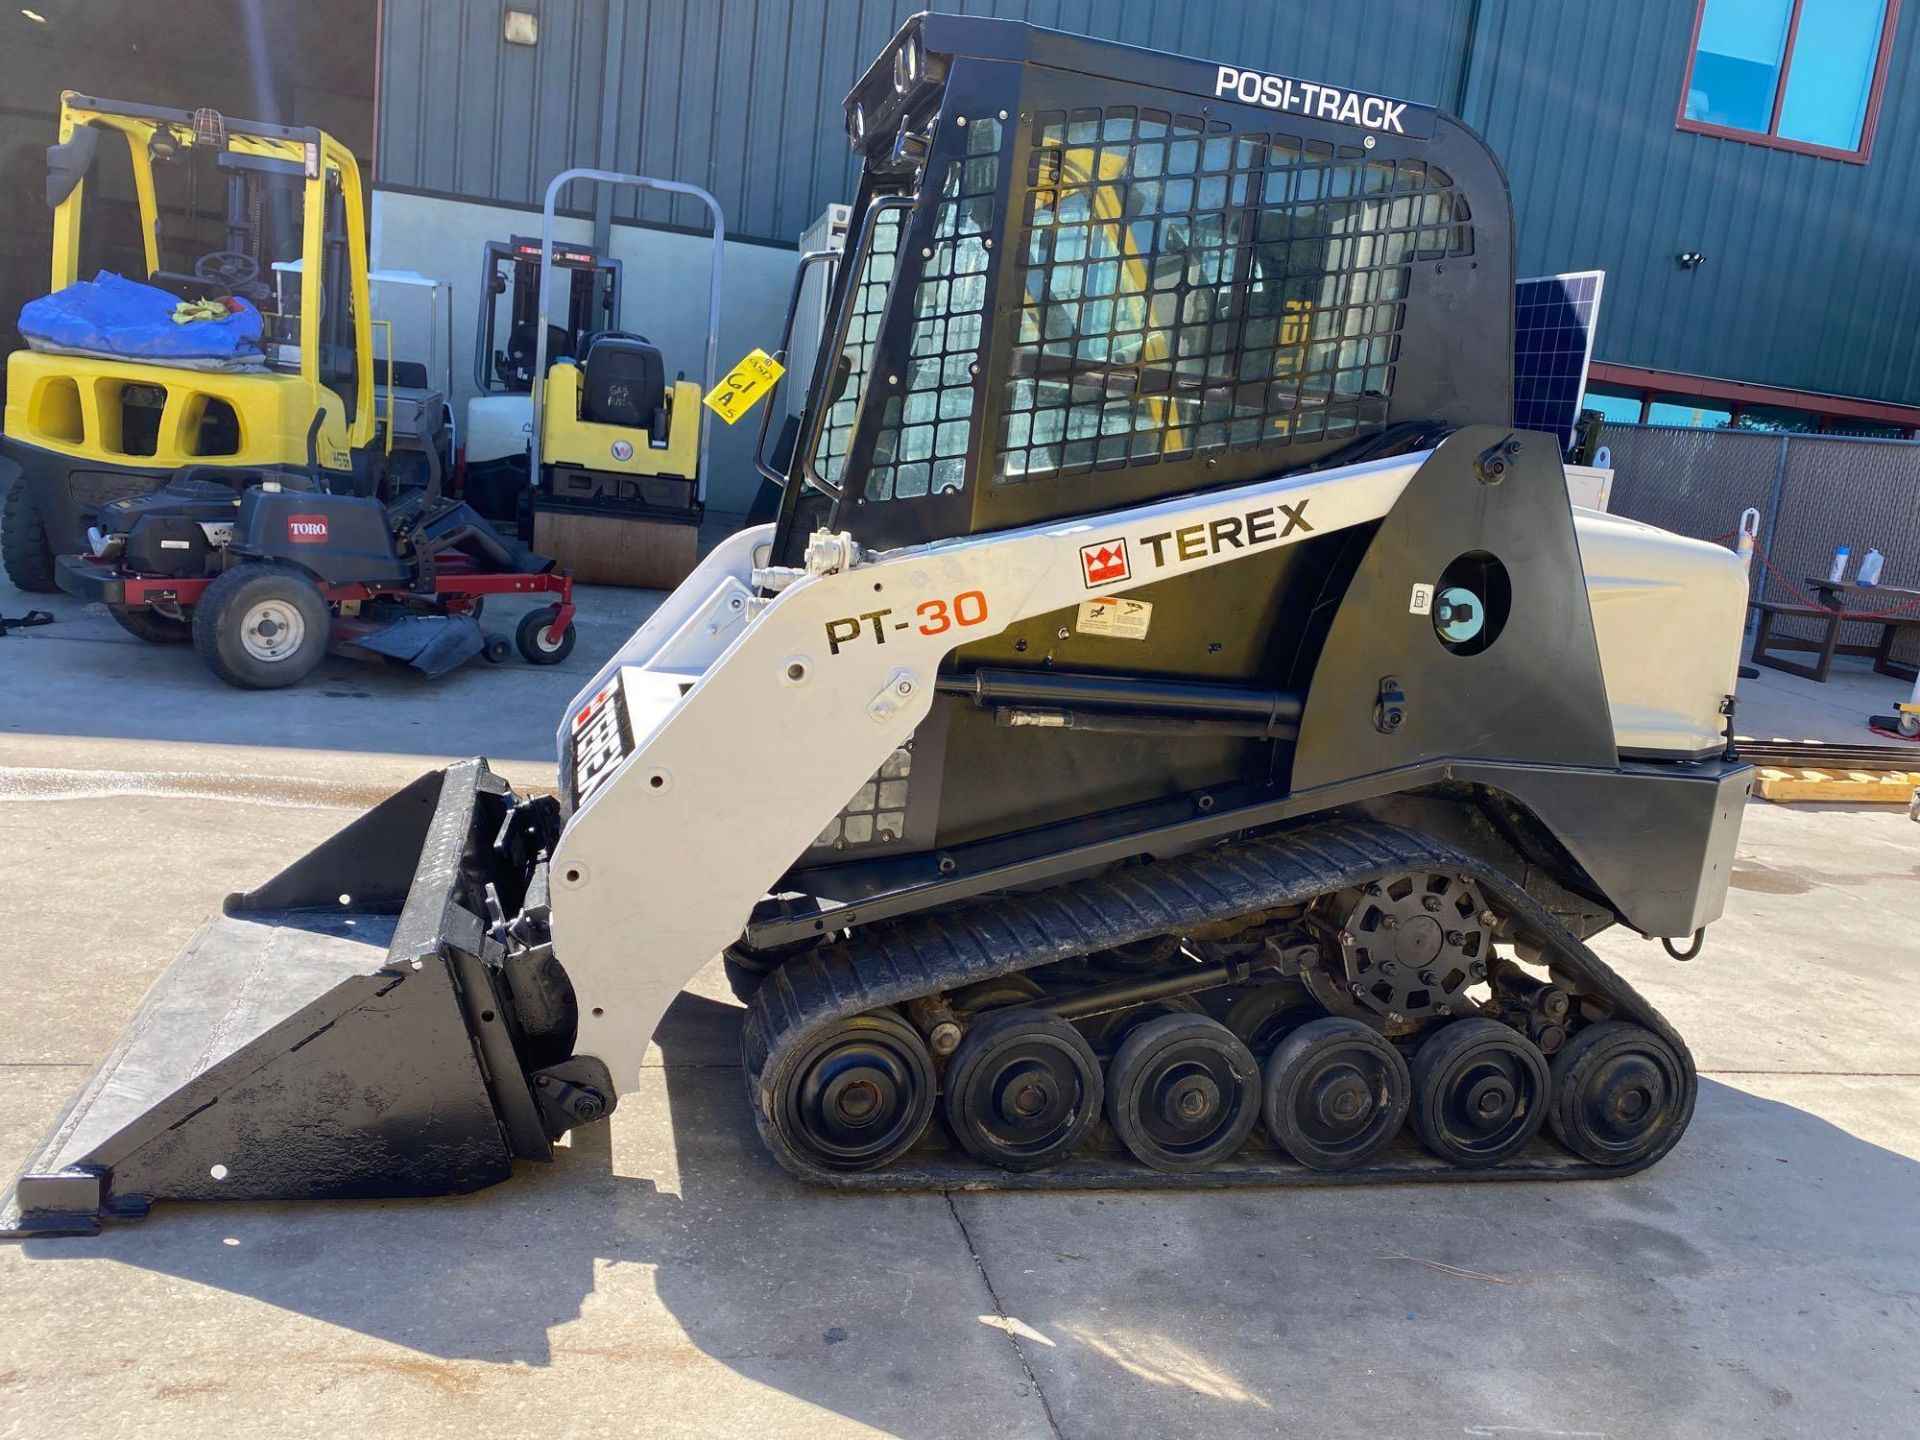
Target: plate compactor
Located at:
point(1176, 731)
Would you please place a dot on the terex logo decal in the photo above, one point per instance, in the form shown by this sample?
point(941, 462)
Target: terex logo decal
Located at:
point(1104, 562)
point(1230, 532)
point(307, 529)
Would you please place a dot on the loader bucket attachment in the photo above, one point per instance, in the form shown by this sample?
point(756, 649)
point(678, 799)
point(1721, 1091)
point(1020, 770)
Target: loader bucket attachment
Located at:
point(328, 1035)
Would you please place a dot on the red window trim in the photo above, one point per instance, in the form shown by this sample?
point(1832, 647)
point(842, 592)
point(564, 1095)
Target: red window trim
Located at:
point(1743, 394)
point(1771, 141)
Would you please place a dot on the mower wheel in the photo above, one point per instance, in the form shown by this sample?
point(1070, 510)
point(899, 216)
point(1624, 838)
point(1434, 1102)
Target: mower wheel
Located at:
point(261, 626)
point(536, 644)
point(496, 650)
point(24, 549)
point(152, 626)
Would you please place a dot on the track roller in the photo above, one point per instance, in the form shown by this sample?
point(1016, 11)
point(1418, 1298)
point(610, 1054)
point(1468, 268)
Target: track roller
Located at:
point(1620, 1094)
point(1260, 1016)
point(1337, 1093)
point(1022, 1090)
point(1182, 1093)
point(1479, 1092)
point(1108, 1032)
point(858, 1093)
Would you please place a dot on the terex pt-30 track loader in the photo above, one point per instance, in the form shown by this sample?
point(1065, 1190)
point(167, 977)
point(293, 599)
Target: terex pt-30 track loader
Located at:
point(1171, 696)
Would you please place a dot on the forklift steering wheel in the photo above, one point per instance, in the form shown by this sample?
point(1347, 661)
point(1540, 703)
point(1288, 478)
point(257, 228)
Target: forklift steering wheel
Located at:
point(234, 269)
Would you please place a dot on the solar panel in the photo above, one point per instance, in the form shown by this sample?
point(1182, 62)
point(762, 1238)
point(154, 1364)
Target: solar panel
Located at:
point(1554, 320)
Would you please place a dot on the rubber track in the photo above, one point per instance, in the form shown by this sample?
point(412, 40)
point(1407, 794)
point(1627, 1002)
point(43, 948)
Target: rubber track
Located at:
point(885, 964)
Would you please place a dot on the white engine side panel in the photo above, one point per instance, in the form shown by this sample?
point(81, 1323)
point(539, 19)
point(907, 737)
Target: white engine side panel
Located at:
point(498, 427)
point(794, 702)
point(1668, 613)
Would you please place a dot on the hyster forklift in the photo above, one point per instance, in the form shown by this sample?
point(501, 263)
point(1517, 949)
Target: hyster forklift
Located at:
point(88, 429)
point(618, 496)
point(1176, 731)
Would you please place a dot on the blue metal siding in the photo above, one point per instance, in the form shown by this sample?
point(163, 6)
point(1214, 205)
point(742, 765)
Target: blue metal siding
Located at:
point(743, 96)
point(1808, 277)
point(1808, 280)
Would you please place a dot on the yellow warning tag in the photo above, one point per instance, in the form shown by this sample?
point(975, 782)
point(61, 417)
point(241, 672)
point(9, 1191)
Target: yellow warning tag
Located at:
point(741, 386)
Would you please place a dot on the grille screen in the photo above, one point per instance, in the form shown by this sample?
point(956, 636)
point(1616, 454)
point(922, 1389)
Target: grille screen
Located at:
point(925, 431)
point(1188, 289)
point(878, 809)
point(869, 301)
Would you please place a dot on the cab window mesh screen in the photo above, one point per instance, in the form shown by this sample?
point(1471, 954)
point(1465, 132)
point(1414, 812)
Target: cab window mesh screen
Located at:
point(1188, 289)
point(926, 430)
point(863, 330)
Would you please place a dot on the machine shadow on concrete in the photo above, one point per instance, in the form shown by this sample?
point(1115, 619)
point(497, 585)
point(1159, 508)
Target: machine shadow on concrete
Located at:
point(1203, 1309)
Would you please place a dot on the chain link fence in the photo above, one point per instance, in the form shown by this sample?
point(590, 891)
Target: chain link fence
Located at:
point(1814, 493)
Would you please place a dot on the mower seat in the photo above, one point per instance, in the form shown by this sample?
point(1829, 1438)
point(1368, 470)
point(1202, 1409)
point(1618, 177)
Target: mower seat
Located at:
point(625, 384)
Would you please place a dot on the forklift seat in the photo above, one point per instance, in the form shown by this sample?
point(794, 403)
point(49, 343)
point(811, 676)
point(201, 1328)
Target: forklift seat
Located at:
point(625, 383)
point(514, 365)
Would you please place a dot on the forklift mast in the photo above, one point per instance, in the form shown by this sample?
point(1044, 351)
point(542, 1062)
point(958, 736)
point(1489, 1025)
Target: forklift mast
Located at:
point(292, 193)
point(512, 268)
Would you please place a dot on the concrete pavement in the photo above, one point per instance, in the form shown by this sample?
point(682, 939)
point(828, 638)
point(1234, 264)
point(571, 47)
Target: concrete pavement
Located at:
point(665, 1278)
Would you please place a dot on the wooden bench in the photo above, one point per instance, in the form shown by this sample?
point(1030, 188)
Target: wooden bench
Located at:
point(1826, 644)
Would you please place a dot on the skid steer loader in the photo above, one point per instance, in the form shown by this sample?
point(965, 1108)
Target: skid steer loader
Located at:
point(1174, 733)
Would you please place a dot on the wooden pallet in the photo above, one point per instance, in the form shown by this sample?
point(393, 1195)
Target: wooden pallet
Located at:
point(1834, 784)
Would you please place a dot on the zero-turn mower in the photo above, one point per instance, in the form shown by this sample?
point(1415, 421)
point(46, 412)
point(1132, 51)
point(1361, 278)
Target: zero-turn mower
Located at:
point(264, 572)
point(1175, 733)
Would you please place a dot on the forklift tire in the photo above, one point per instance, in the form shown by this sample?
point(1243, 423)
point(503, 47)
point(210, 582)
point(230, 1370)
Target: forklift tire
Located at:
point(152, 626)
point(533, 641)
point(23, 542)
point(261, 626)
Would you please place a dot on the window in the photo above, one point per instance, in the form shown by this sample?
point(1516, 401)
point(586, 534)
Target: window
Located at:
point(926, 434)
point(1801, 75)
point(1190, 290)
point(1618, 406)
point(869, 302)
point(1776, 418)
point(1689, 410)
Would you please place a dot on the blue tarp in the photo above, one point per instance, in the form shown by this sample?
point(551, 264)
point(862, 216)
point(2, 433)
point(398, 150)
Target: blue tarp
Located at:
point(112, 315)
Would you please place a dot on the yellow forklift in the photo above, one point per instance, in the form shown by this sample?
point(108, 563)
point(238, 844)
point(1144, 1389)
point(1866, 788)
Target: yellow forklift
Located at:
point(88, 428)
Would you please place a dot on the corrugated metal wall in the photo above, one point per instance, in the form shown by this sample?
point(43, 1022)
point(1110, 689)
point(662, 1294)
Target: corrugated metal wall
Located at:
point(743, 96)
point(1808, 281)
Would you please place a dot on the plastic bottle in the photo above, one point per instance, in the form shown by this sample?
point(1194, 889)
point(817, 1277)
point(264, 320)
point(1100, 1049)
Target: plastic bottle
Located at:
point(1839, 572)
point(1870, 568)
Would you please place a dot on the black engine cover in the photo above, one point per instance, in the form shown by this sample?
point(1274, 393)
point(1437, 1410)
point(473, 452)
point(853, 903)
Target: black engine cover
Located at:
point(171, 545)
point(164, 529)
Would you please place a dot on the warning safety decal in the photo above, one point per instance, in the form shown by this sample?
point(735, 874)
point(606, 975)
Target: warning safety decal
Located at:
point(1116, 617)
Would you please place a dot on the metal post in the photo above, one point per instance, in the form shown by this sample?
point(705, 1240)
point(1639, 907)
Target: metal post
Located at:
point(1773, 510)
point(636, 182)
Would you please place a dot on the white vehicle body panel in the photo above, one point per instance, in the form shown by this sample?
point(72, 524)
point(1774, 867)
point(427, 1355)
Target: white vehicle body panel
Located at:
point(1668, 613)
